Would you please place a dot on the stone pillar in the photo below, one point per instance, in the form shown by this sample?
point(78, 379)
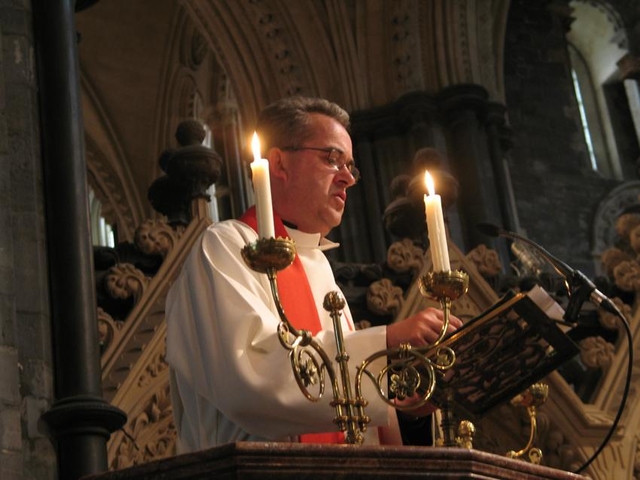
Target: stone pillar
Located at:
point(385, 140)
point(26, 378)
point(80, 420)
point(473, 162)
point(417, 111)
point(227, 122)
point(499, 141)
point(363, 149)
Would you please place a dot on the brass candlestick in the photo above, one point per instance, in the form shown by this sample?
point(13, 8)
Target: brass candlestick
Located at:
point(446, 287)
point(309, 361)
point(409, 372)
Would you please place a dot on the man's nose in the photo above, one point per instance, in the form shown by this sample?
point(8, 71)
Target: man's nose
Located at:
point(345, 176)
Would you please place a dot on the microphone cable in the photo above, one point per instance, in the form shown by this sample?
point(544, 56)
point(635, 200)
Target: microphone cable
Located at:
point(625, 393)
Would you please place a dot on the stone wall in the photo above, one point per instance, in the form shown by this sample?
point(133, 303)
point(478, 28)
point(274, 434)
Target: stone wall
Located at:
point(556, 191)
point(26, 378)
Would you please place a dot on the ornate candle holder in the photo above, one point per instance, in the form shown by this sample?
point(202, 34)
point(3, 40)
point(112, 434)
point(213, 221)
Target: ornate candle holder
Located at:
point(446, 287)
point(410, 373)
point(309, 361)
point(533, 397)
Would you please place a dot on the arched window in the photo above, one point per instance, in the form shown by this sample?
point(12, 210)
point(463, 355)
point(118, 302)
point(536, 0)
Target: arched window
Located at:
point(590, 116)
point(102, 233)
point(597, 42)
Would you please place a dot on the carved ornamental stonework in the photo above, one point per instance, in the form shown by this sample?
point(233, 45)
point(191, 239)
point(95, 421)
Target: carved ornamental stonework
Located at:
point(135, 375)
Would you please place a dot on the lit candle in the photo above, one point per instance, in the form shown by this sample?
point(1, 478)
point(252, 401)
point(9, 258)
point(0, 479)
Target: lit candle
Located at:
point(262, 190)
point(436, 228)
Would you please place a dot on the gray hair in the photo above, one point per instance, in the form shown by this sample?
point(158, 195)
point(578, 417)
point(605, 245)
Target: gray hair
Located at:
point(286, 122)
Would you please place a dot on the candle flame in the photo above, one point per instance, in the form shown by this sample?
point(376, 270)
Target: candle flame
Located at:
point(255, 146)
point(428, 180)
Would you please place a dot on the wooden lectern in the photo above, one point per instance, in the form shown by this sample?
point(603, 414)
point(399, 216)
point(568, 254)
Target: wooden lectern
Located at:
point(294, 461)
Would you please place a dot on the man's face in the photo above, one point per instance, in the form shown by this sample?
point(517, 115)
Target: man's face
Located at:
point(314, 193)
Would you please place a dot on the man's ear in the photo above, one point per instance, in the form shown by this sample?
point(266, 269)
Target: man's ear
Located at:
point(277, 163)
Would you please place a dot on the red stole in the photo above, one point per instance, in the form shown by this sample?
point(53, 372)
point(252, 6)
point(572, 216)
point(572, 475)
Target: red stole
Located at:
point(298, 303)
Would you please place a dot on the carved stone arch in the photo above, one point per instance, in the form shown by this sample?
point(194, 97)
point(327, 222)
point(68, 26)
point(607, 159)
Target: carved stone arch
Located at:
point(466, 40)
point(189, 83)
point(212, 95)
point(266, 48)
point(182, 93)
point(193, 47)
point(197, 86)
point(619, 200)
point(488, 47)
point(188, 98)
point(390, 45)
point(225, 107)
point(262, 44)
point(104, 183)
point(108, 172)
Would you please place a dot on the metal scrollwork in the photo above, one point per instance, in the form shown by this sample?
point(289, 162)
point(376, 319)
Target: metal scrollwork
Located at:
point(308, 372)
point(410, 373)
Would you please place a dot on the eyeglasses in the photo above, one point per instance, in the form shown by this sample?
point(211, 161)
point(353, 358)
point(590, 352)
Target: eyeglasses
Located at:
point(335, 158)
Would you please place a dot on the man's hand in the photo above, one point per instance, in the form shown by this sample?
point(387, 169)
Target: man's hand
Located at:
point(421, 329)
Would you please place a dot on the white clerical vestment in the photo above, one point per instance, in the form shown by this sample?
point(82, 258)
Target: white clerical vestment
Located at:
point(231, 378)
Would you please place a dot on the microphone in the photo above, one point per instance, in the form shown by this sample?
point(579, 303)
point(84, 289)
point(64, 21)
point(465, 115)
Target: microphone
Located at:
point(580, 286)
point(531, 260)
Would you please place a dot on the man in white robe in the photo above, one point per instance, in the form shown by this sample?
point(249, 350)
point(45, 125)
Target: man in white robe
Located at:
point(231, 378)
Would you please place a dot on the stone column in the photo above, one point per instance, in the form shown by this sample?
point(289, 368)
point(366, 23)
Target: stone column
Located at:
point(385, 140)
point(227, 121)
point(80, 420)
point(370, 213)
point(26, 377)
point(464, 109)
point(499, 141)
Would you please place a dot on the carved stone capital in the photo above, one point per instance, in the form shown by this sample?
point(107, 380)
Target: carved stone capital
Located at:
point(459, 101)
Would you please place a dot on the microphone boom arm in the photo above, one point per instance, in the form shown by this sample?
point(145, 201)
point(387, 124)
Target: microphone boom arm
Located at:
point(579, 287)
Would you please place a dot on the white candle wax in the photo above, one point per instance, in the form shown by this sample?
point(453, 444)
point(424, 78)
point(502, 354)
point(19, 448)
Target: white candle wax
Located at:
point(262, 190)
point(436, 228)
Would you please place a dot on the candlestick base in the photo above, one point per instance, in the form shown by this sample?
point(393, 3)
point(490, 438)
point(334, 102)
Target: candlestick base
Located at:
point(440, 285)
point(266, 255)
point(310, 362)
point(535, 396)
point(446, 287)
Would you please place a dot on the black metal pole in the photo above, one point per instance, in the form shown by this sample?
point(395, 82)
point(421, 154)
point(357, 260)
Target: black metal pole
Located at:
point(80, 420)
